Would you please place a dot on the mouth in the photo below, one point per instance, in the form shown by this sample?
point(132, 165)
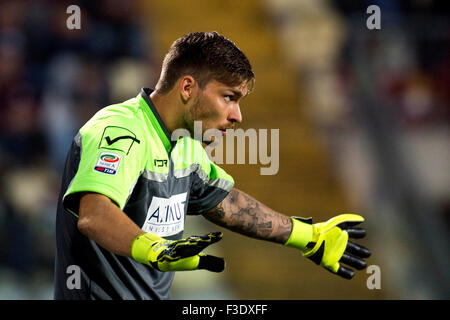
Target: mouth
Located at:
point(223, 130)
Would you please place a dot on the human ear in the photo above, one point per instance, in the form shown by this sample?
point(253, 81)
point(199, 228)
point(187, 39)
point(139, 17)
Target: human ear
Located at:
point(188, 87)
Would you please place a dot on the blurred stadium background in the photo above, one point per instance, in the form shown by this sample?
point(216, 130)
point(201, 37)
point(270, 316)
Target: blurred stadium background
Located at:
point(363, 118)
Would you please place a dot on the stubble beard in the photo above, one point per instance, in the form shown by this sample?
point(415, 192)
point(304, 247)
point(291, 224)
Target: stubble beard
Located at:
point(196, 113)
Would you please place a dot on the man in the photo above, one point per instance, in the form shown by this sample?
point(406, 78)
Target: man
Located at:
point(127, 187)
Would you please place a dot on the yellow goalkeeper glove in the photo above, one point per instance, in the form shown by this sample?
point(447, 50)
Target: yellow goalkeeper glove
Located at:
point(177, 255)
point(326, 243)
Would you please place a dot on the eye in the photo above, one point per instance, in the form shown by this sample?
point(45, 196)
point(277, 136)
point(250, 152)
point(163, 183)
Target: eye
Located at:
point(230, 97)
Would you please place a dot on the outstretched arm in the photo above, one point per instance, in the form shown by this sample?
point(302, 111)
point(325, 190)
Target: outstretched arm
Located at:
point(241, 213)
point(102, 221)
point(325, 243)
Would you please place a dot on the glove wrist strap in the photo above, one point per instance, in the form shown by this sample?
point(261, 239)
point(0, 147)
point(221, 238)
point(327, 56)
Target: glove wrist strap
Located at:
point(141, 246)
point(302, 233)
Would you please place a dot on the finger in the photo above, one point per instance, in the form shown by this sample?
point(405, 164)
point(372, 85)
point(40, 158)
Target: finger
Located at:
point(210, 238)
point(356, 233)
point(179, 249)
point(352, 261)
point(348, 224)
point(211, 263)
point(194, 244)
point(345, 272)
point(184, 248)
point(357, 250)
point(207, 239)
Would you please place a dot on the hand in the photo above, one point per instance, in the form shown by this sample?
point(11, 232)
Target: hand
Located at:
point(329, 245)
point(177, 255)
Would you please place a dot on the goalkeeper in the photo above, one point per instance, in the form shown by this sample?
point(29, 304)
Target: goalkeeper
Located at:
point(128, 186)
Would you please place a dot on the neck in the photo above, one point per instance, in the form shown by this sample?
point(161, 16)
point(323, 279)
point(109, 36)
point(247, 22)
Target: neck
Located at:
point(169, 109)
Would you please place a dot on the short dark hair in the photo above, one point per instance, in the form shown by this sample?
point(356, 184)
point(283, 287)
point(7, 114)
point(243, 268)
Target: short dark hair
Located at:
point(205, 56)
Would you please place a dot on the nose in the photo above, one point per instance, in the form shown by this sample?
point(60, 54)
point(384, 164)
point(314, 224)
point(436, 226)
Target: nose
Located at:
point(235, 114)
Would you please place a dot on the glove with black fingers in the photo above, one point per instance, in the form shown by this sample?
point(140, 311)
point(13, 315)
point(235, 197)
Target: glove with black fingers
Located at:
point(327, 244)
point(177, 255)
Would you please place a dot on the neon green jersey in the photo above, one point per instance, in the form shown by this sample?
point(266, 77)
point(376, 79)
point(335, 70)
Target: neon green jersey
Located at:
point(124, 152)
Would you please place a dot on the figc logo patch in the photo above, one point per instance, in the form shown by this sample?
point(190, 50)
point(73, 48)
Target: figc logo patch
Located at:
point(108, 163)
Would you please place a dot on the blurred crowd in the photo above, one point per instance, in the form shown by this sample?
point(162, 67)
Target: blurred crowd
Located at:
point(412, 57)
point(395, 82)
point(381, 100)
point(52, 80)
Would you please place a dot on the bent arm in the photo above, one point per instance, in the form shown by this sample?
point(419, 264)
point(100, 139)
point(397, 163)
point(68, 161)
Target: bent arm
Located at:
point(243, 214)
point(102, 221)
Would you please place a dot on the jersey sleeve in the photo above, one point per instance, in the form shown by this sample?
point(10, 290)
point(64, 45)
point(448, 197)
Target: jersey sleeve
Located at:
point(112, 155)
point(210, 185)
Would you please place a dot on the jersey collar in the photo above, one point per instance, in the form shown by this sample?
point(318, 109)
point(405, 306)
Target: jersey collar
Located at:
point(155, 119)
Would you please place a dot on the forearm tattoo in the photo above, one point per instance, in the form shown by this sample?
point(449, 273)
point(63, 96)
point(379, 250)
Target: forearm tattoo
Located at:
point(241, 213)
